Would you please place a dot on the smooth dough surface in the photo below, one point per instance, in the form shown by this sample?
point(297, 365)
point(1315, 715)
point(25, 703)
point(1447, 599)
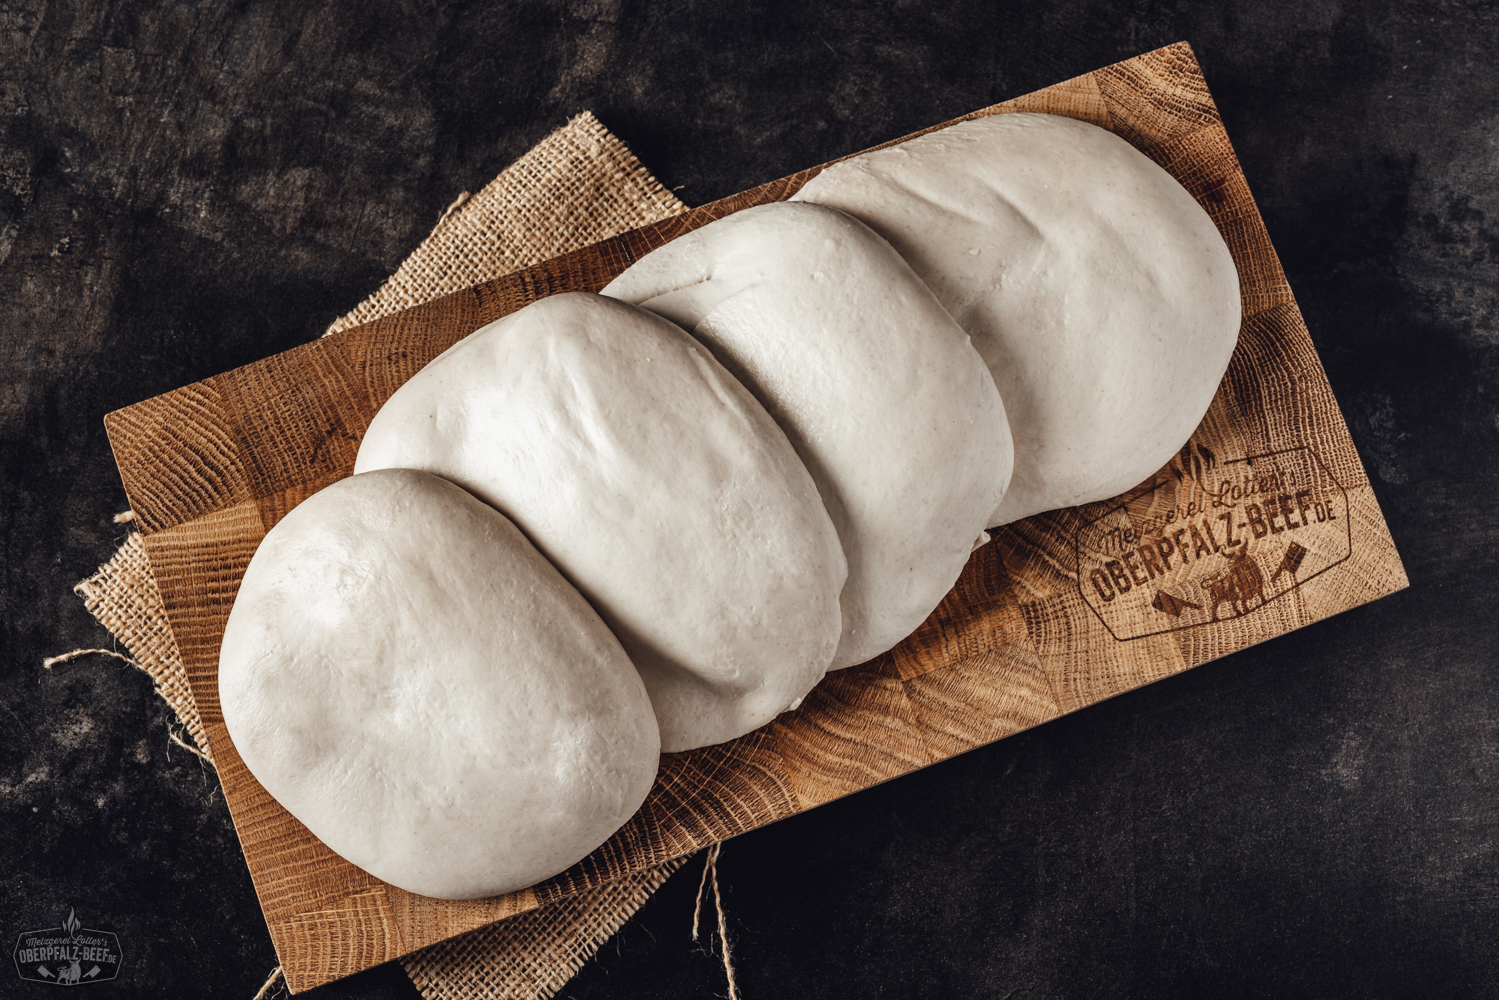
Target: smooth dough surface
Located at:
point(1100, 294)
point(655, 483)
point(416, 684)
point(880, 391)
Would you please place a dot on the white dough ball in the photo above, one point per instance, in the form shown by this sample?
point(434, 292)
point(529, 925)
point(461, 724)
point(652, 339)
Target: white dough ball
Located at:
point(408, 676)
point(655, 483)
point(1098, 291)
point(882, 394)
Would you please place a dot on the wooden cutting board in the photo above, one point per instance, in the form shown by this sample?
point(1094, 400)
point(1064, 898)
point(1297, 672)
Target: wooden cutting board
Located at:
point(1263, 523)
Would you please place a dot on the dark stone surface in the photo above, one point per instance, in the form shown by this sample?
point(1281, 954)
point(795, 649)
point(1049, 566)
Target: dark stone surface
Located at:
point(185, 187)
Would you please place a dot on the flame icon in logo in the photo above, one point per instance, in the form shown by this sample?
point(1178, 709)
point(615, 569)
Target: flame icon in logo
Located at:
point(71, 924)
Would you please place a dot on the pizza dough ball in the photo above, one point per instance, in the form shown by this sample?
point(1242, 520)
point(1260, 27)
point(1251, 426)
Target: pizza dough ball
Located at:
point(880, 391)
point(408, 676)
point(655, 483)
point(1098, 291)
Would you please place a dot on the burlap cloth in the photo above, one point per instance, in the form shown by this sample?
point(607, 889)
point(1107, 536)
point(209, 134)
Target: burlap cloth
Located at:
point(577, 186)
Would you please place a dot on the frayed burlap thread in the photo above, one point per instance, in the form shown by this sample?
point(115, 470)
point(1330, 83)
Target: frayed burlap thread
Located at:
point(122, 595)
point(577, 186)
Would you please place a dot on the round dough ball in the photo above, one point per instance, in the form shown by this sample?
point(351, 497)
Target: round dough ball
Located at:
point(880, 391)
point(1098, 291)
point(655, 483)
point(408, 676)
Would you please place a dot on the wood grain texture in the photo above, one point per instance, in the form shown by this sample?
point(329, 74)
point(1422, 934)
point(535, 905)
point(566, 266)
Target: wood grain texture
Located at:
point(1265, 522)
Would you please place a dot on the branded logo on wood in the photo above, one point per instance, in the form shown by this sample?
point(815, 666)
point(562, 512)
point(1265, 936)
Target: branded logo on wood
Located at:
point(1215, 540)
point(68, 955)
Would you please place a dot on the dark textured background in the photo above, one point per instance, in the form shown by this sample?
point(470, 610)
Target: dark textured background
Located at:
point(186, 187)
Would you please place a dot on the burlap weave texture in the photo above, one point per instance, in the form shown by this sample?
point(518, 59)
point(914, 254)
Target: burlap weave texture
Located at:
point(577, 186)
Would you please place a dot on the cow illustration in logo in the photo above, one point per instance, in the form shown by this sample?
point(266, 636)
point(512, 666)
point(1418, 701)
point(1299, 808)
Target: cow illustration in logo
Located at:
point(70, 975)
point(1237, 585)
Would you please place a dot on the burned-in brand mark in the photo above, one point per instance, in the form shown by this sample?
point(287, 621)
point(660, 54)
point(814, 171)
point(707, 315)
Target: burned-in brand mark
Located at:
point(1215, 540)
point(68, 955)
